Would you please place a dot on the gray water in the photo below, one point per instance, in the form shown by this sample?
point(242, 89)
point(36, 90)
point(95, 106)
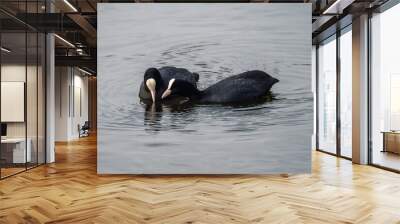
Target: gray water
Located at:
point(216, 41)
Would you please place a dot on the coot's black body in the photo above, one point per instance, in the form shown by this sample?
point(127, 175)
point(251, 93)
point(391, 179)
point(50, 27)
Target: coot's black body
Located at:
point(241, 88)
point(165, 75)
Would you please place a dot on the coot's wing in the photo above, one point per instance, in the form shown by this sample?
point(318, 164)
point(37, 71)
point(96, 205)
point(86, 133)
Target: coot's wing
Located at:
point(170, 72)
point(244, 87)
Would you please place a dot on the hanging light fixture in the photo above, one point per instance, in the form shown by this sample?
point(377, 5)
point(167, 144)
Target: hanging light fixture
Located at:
point(64, 40)
point(5, 50)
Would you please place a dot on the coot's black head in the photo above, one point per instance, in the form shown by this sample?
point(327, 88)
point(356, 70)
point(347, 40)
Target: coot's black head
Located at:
point(181, 88)
point(153, 81)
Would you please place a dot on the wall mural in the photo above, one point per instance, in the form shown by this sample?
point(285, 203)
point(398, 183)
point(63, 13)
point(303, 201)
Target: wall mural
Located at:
point(204, 88)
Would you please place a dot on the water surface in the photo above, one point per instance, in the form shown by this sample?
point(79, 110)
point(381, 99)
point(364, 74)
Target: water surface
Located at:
point(216, 41)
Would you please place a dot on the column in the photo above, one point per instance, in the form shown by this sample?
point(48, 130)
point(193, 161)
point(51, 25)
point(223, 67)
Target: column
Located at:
point(360, 90)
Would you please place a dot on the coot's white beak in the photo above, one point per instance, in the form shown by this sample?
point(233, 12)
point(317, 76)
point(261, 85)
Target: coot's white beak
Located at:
point(168, 91)
point(151, 84)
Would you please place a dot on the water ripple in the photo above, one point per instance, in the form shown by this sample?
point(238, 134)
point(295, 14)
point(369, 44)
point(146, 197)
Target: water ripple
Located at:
point(289, 106)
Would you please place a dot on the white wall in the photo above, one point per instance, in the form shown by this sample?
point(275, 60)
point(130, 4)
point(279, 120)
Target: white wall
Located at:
point(62, 81)
point(70, 83)
point(80, 109)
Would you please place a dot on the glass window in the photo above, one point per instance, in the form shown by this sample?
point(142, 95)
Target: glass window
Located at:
point(327, 95)
point(314, 90)
point(385, 89)
point(346, 92)
point(14, 150)
point(22, 88)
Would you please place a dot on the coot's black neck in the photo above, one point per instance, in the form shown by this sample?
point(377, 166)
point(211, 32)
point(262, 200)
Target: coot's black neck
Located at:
point(186, 89)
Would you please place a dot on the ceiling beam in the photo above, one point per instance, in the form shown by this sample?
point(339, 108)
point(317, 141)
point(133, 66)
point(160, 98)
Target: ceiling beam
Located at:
point(82, 61)
point(86, 26)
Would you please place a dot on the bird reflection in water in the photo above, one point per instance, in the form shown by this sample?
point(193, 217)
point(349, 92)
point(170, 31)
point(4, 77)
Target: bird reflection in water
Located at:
point(154, 112)
point(153, 116)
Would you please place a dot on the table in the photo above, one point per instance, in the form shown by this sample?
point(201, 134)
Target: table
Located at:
point(391, 141)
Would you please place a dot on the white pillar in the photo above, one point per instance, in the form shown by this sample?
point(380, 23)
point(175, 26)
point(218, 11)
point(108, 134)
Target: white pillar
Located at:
point(360, 90)
point(50, 99)
point(50, 91)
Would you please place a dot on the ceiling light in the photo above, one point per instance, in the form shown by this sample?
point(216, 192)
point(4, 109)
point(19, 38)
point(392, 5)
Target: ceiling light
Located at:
point(5, 50)
point(65, 41)
point(79, 51)
point(70, 5)
point(84, 71)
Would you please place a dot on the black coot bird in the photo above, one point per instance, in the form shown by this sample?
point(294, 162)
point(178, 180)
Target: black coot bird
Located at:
point(156, 81)
point(241, 88)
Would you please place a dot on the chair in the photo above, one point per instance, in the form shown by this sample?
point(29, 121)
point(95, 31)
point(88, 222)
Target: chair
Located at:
point(84, 130)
